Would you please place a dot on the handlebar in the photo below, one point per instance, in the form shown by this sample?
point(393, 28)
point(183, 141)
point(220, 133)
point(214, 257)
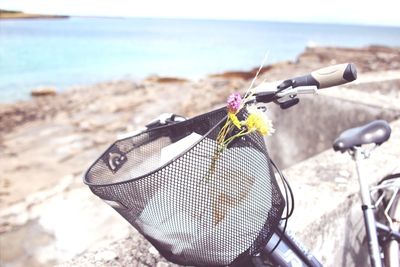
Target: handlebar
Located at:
point(285, 92)
point(327, 77)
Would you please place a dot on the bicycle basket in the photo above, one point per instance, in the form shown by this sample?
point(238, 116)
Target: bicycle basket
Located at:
point(194, 207)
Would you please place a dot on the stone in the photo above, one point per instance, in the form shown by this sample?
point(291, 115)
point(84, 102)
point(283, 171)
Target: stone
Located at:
point(105, 256)
point(153, 251)
point(340, 180)
point(44, 91)
point(344, 173)
point(162, 264)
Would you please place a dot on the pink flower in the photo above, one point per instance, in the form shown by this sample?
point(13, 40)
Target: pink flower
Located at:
point(234, 101)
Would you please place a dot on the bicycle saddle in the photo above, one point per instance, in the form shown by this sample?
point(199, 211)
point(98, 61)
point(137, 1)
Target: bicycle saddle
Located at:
point(377, 132)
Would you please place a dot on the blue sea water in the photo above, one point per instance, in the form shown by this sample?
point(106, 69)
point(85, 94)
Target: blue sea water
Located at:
point(75, 51)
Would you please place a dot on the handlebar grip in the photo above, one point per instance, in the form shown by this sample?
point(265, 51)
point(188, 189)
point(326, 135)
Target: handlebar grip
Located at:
point(327, 77)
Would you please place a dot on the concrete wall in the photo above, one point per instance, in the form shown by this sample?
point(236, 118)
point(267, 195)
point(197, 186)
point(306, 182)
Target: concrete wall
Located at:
point(311, 126)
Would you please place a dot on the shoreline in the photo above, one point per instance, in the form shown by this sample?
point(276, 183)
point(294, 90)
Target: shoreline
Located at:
point(312, 54)
point(33, 16)
point(48, 106)
point(7, 15)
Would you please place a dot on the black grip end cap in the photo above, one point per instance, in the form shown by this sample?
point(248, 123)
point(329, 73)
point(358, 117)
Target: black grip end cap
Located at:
point(350, 73)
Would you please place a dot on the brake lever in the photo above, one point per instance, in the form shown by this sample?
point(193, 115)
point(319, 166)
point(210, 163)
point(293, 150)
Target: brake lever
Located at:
point(287, 98)
point(281, 93)
point(291, 93)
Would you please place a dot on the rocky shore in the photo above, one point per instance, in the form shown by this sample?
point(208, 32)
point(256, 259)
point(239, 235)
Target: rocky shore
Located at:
point(7, 14)
point(47, 143)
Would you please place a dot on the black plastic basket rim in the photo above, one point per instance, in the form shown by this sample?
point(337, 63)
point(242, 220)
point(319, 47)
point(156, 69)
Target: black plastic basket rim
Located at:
point(182, 124)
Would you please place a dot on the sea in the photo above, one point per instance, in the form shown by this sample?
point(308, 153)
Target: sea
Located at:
point(65, 53)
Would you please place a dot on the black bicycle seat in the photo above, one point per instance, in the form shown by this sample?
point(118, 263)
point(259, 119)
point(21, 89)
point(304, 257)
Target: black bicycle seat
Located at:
point(376, 132)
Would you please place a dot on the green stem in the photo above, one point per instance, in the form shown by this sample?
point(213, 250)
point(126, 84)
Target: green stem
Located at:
point(224, 130)
point(230, 139)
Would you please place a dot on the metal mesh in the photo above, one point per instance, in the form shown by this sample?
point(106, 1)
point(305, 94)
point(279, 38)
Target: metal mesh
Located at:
point(194, 208)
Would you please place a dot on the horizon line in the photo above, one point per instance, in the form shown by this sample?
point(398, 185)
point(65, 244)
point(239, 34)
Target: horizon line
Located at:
point(344, 23)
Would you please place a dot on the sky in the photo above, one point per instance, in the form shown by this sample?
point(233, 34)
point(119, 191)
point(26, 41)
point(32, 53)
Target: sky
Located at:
point(367, 12)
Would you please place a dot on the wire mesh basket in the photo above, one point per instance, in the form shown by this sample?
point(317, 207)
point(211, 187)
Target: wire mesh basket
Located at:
point(195, 207)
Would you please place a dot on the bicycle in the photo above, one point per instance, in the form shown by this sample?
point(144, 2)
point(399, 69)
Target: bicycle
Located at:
point(381, 201)
point(190, 186)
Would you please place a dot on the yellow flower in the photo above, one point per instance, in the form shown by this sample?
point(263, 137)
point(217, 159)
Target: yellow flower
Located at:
point(234, 119)
point(257, 121)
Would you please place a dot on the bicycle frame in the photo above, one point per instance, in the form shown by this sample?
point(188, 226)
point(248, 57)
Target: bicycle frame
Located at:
point(289, 252)
point(358, 155)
